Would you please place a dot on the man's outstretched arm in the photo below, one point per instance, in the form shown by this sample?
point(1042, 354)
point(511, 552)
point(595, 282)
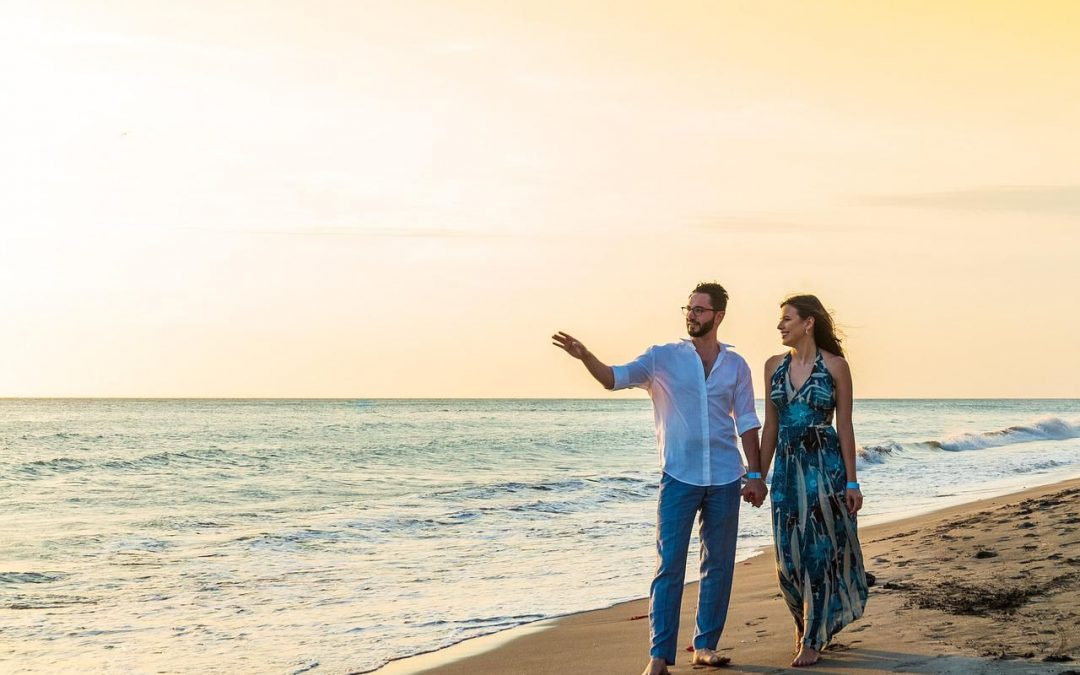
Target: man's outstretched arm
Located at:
point(599, 370)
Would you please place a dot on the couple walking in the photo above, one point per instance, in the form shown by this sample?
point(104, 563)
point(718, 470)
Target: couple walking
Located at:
point(703, 397)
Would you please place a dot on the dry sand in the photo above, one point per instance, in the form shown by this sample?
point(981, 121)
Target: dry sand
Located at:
point(987, 587)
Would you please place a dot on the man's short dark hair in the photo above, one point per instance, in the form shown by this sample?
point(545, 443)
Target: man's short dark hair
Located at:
point(716, 294)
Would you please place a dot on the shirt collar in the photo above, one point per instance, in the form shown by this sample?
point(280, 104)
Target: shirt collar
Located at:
point(723, 345)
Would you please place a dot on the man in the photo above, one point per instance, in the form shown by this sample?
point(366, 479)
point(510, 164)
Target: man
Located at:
point(701, 393)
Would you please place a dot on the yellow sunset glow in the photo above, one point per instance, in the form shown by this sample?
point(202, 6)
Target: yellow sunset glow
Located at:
point(406, 199)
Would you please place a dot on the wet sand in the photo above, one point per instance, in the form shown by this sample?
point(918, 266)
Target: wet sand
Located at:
point(987, 587)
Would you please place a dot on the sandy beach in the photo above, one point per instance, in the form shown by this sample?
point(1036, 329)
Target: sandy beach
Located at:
point(991, 586)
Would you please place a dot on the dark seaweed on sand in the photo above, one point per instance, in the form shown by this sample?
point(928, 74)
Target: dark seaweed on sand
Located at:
point(957, 597)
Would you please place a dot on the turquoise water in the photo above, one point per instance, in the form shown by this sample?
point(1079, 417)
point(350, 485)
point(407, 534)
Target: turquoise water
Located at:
point(334, 536)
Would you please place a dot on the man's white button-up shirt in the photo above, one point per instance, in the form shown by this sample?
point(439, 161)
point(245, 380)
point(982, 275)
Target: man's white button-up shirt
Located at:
point(696, 416)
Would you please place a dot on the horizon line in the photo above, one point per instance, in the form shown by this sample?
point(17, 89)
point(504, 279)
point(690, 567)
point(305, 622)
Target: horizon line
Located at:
point(490, 398)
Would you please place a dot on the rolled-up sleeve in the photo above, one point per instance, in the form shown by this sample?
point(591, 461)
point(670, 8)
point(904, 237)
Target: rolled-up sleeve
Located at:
point(637, 373)
point(744, 413)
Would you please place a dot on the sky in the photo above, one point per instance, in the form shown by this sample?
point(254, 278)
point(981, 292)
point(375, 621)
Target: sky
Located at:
point(406, 199)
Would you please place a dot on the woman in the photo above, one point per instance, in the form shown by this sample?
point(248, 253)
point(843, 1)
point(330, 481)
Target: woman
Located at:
point(815, 493)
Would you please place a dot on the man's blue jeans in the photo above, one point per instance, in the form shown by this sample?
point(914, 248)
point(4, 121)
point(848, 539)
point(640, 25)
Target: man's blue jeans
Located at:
point(675, 510)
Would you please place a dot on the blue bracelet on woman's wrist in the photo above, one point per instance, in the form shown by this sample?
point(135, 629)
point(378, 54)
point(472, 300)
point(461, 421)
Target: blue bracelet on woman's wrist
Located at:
point(852, 485)
point(753, 475)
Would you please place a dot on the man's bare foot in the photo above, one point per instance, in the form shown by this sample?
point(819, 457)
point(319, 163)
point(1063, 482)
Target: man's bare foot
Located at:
point(707, 657)
point(798, 643)
point(807, 656)
point(656, 667)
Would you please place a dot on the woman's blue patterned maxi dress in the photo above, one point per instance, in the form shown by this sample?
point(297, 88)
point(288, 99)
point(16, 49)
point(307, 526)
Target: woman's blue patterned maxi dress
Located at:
point(818, 558)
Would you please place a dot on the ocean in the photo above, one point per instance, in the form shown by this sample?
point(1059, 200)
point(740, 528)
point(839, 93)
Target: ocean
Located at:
point(333, 536)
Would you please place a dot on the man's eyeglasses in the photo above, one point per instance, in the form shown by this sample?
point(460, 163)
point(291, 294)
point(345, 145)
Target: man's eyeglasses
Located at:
point(696, 311)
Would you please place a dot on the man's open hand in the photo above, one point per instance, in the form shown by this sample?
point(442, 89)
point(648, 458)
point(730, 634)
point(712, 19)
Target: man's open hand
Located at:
point(569, 344)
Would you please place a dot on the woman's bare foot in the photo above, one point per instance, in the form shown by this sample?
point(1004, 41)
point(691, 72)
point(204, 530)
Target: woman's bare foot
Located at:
point(708, 657)
point(656, 667)
point(807, 656)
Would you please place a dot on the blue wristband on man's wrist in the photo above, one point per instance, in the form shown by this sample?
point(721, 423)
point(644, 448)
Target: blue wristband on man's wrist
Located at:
point(852, 485)
point(753, 475)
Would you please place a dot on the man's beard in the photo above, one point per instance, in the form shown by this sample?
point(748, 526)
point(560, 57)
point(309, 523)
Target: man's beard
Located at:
point(702, 329)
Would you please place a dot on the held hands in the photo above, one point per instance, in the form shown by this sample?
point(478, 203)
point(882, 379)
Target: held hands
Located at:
point(754, 492)
point(569, 345)
point(854, 500)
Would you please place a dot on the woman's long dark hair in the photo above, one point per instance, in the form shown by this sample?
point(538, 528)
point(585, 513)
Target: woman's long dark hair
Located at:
point(824, 329)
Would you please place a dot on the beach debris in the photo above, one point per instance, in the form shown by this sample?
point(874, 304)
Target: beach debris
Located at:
point(957, 597)
point(997, 654)
point(1060, 653)
point(984, 553)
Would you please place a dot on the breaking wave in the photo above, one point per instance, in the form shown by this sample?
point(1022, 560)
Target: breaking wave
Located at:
point(1042, 429)
point(1045, 429)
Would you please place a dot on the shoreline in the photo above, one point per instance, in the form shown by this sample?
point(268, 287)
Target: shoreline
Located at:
point(615, 639)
